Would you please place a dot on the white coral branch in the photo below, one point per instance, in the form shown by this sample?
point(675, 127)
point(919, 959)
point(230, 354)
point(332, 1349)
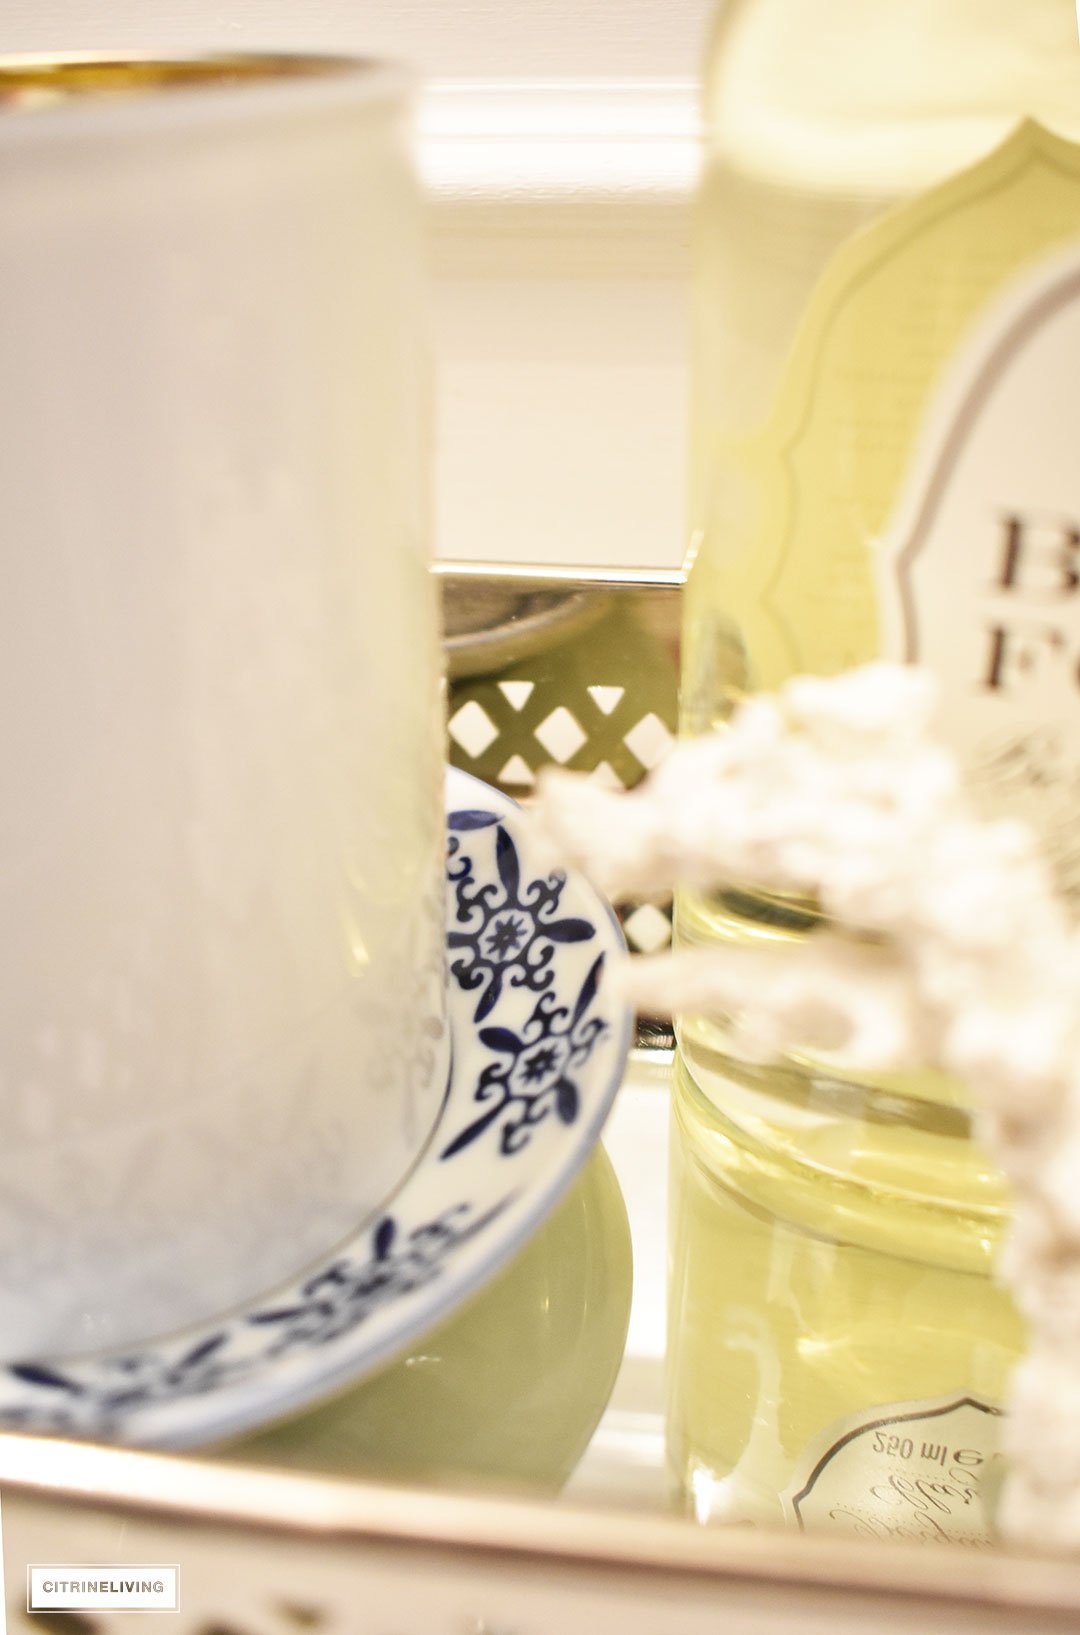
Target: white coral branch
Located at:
point(946, 945)
point(777, 1001)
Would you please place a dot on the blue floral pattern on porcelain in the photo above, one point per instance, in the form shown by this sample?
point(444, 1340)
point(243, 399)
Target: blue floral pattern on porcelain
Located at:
point(539, 1045)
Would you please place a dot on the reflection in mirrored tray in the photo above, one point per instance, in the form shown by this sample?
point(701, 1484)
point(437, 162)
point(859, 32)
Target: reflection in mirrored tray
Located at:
point(261, 1547)
point(506, 1392)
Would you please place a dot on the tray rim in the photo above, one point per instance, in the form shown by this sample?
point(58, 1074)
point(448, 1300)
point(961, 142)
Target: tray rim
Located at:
point(155, 1488)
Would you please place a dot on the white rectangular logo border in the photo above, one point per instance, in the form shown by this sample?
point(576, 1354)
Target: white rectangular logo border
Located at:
point(100, 1569)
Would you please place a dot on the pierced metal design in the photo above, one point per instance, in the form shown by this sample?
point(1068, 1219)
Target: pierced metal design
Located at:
point(575, 670)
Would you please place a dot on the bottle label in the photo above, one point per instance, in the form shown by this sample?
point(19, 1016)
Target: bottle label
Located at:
point(916, 489)
point(979, 571)
point(925, 1471)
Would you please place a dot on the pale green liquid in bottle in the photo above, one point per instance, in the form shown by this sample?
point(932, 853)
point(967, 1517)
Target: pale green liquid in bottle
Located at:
point(832, 1234)
point(831, 1254)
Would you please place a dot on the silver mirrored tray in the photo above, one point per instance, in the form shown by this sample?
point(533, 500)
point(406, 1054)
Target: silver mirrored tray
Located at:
point(492, 1534)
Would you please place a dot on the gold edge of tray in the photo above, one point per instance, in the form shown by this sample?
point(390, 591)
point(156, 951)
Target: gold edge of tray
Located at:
point(161, 1487)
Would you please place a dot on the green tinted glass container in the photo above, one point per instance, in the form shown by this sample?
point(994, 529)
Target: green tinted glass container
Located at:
point(880, 181)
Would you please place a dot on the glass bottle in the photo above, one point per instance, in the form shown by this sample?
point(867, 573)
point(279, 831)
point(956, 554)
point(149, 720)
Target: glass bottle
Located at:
point(886, 237)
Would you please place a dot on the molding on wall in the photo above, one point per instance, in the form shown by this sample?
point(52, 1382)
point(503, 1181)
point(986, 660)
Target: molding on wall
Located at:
point(563, 160)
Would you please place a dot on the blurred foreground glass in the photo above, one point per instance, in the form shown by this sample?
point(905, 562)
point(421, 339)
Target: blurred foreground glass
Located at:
point(221, 834)
point(886, 333)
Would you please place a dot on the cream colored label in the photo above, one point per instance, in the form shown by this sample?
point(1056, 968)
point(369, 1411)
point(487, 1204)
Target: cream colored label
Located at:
point(878, 335)
point(912, 1470)
point(979, 573)
point(917, 487)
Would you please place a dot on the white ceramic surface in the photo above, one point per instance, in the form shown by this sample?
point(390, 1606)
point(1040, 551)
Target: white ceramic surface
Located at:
point(220, 847)
point(539, 1047)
